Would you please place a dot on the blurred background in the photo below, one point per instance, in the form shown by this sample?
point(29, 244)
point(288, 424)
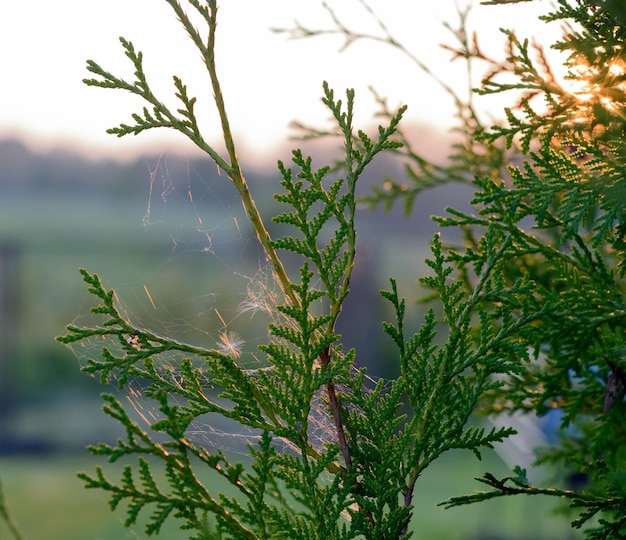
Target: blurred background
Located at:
point(159, 224)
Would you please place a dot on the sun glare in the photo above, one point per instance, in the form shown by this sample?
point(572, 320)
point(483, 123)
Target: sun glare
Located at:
point(601, 81)
point(579, 83)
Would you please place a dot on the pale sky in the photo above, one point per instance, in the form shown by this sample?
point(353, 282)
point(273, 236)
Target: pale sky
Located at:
point(268, 80)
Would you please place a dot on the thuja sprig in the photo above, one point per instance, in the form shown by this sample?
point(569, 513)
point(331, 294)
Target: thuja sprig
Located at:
point(304, 359)
point(334, 261)
point(303, 356)
point(507, 296)
point(471, 155)
point(176, 452)
point(532, 295)
point(612, 503)
point(187, 500)
point(316, 207)
point(444, 383)
point(184, 119)
point(129, 351)
point(558, 215)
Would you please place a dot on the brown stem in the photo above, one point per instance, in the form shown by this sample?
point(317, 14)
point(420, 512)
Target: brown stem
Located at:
point(408, 499)
point(335, 409)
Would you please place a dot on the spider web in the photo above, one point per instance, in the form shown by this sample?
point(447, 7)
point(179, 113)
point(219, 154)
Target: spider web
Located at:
point(211, 287)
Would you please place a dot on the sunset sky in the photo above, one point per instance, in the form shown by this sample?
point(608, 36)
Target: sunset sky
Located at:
point(267, 78)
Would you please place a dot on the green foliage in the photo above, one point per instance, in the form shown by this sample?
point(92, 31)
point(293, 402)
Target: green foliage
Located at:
point(542, 264)
point(550, 234)
point(527, 314)
point(590, 504)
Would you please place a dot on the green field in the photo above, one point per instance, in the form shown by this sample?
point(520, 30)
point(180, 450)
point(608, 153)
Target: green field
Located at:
point(50, 503)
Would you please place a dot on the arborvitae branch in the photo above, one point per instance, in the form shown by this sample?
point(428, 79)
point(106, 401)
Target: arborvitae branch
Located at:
point(529, 313)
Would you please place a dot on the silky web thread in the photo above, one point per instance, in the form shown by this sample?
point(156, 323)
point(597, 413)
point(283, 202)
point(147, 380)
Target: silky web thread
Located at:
point(211, 320)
